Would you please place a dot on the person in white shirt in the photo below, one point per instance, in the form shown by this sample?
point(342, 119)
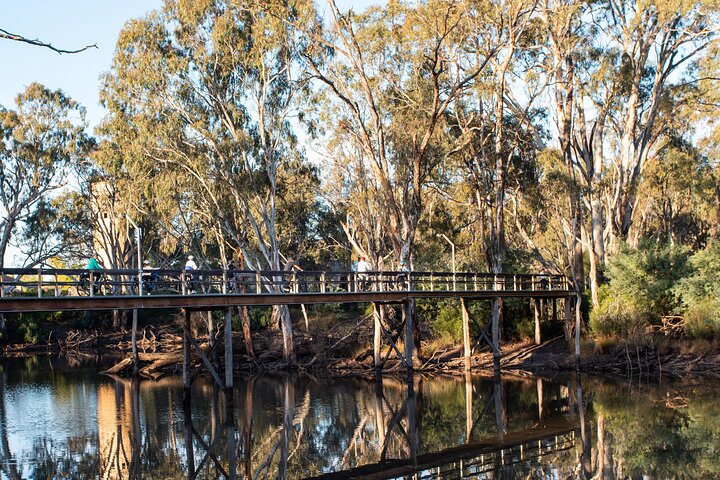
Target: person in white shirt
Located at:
point(189, 266)
point(362, 267)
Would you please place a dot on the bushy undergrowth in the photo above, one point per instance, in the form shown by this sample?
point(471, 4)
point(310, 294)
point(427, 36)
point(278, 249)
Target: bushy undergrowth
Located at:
point(654, 280)
point(641, 289)
point(444, 318)
point(699, 294)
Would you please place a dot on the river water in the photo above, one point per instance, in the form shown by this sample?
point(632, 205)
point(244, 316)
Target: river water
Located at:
point(59, 418)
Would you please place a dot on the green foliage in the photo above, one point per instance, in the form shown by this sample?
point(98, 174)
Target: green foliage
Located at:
point(444, 318)
point(700, 294)
point(524, 328)
point(29, 331)
point(616, 316)
point(260, 317)
point(641, 288)
point(646, 276)
point(702, 319)
point(448, 322)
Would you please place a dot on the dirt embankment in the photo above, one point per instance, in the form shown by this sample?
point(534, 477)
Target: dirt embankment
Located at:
point(348, 351)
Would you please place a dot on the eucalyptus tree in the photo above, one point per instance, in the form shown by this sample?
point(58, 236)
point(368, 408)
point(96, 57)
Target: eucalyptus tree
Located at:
point(495, 130)
point(40, 141)
point(390, 75)
point(617, 71)
point(201, 96)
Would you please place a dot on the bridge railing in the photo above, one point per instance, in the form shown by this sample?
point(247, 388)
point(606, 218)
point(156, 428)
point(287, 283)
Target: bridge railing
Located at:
point(44, 282)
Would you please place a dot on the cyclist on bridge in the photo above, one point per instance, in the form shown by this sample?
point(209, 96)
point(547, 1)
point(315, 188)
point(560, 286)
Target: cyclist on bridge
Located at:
point(93, 264)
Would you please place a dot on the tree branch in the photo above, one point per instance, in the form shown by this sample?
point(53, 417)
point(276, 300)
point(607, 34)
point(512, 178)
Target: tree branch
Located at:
point(36, 42)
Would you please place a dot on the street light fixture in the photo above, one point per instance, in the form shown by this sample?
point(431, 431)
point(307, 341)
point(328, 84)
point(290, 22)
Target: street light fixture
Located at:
point(452, 249)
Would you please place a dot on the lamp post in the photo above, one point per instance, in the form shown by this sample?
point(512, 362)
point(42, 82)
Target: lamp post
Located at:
point(139, 253)
point(452, 250)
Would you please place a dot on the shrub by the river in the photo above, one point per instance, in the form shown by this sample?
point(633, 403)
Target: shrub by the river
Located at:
point(616, 316)
point(700, 294)
point(444, 318)
point(641, 289)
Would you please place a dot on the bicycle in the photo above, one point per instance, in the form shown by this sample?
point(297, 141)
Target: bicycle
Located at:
point(150, 283)
point(102, 285)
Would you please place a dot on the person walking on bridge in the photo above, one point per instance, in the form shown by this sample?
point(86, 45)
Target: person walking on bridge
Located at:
point(190, 265)
point(362, 268)
point(149, 277)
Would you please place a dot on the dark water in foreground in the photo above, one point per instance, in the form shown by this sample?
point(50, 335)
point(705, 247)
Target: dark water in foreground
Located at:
point(60, 419)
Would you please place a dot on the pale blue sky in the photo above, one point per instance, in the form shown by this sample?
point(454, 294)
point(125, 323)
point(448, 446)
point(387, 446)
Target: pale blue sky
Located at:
point(71, 24)
point(67, 24)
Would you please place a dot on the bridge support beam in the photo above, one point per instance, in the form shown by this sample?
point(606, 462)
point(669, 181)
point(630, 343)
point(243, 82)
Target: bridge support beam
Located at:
point(468, 407)
point(228, 351)
point(134, 341)
point(464, 305)
point(409, 314)
point(578, 319)
point(496, 306)
point(568, 317)
point(537, 306)
point(377, 336)
point(187, 380)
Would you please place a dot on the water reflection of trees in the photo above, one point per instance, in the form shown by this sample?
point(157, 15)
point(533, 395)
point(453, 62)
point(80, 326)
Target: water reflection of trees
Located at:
point(299, 427)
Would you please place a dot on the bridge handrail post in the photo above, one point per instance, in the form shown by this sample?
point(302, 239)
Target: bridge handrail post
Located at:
point(57, 286)
point(39, 282)
point(432, 282)
point(475, 287)
point(224, 281)
point(323, 280)
point(550, 282)
point(258, 282)
point(533, 281)
point(495, 282)
point(2, 284)
point(92, 283)
point(409, 281)
point(183, 283)
point(295, 287)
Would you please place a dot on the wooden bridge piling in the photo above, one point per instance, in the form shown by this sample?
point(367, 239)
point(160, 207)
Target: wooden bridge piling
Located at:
point(134, 340)
point(187, 380)
point(377, 336)
point(228, 349)
point(467, 347)
point(536, 311)
point(496, 306)
point(409, 314)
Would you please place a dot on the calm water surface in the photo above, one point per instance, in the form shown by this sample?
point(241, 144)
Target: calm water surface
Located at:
point(61, 419)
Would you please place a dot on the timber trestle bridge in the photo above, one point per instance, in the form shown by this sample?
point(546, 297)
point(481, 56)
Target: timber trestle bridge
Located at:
point(48, 290)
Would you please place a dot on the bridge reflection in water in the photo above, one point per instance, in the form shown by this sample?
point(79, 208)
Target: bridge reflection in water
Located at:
point(302, 427)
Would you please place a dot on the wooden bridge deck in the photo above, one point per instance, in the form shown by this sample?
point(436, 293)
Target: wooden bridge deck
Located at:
point(38, 290)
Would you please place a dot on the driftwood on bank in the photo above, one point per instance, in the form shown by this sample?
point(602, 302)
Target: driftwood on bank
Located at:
point(335, 351)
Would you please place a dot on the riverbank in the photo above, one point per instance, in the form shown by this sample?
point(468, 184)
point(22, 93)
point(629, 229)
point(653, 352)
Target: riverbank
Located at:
point(160, 354)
